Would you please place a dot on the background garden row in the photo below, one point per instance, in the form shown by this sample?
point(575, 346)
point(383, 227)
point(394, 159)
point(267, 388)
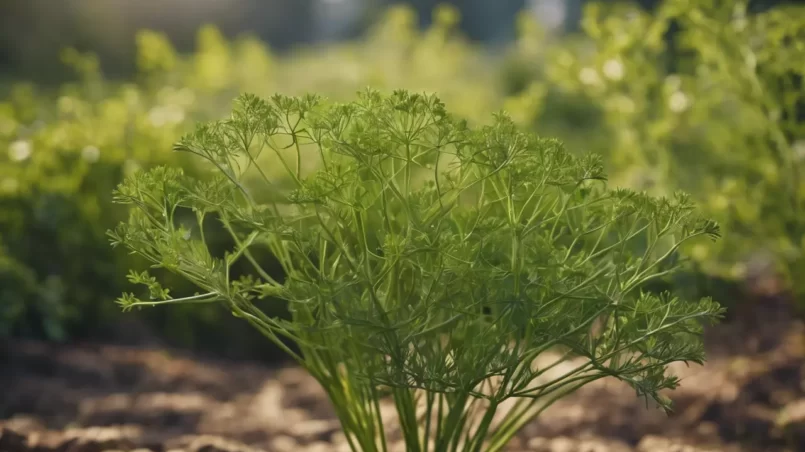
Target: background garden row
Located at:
point(697, 95)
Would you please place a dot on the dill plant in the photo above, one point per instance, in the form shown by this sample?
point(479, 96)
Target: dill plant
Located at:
point(425, 261)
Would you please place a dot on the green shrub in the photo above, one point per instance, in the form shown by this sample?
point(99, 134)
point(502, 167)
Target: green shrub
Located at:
point(705, 97)
point(423, 259)
point(63, 155)
point(69, 146)
point(66, 151)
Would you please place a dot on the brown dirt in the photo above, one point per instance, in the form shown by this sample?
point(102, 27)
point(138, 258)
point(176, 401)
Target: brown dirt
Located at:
point(94, 398)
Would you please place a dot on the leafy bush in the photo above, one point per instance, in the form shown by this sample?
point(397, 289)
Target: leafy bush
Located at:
point(63, 156)
point(423, 259)
point(68, 147)
point(394, 52)
point(701, 96)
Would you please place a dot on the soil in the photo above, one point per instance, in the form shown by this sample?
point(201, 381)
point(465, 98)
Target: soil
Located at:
point(750, 396)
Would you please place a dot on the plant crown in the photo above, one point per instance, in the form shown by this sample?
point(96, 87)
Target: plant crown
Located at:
point(424, 259)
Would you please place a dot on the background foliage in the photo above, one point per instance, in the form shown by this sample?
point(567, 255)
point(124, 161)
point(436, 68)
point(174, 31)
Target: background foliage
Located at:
point(700, 95)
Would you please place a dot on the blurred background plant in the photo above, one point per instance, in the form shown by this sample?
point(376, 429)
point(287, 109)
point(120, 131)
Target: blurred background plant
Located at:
point(694, 94)
point(706, 97)
point(70, 144)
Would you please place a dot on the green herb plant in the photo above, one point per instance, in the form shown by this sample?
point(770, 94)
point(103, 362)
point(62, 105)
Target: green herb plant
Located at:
point(425, 261)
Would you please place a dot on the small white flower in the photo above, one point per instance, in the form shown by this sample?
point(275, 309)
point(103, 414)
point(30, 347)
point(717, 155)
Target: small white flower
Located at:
point(19, 150)
point(678, 102)
point(589, 76)
point(91, 154)
point(613, 70)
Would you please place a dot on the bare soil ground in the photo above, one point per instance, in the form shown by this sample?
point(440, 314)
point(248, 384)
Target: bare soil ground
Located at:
point(750, 396)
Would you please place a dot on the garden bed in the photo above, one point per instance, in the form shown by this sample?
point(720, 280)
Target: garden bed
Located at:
point(96, 397)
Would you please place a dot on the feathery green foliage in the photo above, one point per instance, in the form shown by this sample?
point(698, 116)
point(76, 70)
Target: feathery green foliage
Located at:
point(424, 260)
